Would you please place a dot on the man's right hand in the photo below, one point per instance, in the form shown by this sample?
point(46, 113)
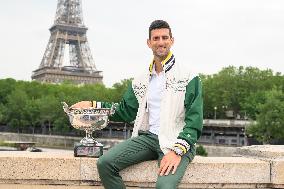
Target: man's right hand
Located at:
point(82, 104)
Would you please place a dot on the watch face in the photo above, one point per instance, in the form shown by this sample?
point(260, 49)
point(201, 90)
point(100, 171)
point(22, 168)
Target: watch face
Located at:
point(179, 151)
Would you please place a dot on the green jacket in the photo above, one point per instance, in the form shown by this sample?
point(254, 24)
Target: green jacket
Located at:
point(181, 108)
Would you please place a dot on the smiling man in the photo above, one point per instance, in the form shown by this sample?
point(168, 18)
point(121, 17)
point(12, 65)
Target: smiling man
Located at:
point(166, 104)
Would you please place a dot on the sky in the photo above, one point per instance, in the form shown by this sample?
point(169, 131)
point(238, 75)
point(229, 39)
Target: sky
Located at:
point(209, 34)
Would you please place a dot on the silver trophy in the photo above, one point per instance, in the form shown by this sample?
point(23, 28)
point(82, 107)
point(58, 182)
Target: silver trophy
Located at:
point(89, 120)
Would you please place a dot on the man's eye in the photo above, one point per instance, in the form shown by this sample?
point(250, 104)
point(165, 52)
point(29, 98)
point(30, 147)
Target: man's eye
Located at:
point(165, 37)
point(156, 38)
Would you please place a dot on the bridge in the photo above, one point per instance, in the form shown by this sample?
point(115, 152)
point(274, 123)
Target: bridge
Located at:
point(224, 132)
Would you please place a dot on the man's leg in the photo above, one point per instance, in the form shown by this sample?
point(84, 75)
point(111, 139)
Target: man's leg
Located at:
point(171, 181)
point(124, 154)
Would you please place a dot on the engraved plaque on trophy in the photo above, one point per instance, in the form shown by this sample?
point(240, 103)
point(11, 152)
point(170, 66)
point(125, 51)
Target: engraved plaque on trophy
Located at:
point(89, 120)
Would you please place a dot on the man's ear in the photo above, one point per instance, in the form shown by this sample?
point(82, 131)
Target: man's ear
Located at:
point(173, 40)
point(149, 43)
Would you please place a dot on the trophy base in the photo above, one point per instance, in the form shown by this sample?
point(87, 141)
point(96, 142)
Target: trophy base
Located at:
point(88, 150)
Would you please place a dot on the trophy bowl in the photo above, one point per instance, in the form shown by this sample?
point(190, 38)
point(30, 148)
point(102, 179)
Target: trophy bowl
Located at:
point(89, 120)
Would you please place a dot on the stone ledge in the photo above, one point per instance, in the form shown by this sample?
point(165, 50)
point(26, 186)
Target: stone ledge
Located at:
point(204, 172)
point(262, 151)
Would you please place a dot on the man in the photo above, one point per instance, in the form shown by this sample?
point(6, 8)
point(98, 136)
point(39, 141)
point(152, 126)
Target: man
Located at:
point(167, 107)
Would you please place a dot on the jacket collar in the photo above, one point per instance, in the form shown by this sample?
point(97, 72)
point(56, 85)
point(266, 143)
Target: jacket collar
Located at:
point(167, 63)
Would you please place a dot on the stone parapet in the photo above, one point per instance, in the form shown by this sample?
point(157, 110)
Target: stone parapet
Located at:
point(277, 172)
point(60, 167)
point(262, 151)
point(274, 154)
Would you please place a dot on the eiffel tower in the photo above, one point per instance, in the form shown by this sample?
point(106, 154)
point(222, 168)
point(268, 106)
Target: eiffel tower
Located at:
point(68, 44)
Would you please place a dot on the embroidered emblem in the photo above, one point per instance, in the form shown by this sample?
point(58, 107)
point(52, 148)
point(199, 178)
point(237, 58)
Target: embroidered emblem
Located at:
point(177, 85)
point(139, 90)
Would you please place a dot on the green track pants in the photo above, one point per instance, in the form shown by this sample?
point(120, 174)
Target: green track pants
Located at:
point(135, 150)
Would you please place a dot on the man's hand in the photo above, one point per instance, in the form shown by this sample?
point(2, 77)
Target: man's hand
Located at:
point(82, 104)
point(169, 162)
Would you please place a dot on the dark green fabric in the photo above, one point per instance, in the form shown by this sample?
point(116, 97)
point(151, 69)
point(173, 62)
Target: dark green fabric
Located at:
point(135, 150)
point(193, 112)
point(126, 110)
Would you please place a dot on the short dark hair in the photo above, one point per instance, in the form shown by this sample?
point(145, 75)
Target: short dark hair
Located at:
point(158, 24)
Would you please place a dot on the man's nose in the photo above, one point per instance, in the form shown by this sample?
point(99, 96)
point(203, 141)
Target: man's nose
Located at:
point(160, 41)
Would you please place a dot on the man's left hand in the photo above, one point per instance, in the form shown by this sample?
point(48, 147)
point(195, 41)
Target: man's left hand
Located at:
point(169, 162)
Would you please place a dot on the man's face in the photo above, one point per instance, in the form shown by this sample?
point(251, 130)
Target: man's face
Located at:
point(160, 42)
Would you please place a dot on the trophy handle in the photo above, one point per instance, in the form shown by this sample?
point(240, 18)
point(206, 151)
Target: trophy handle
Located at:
point(65, 107)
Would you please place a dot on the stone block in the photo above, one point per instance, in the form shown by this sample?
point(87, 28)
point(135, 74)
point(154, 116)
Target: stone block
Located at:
point(209, 170)
point(277, 172)
point(88, 169)
point(145, 172)
point(39, 166)
point(227, 170)
point(262, 151)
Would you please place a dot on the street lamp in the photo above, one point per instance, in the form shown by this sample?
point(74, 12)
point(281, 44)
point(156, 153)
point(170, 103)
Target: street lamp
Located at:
point(215, 108)
point(224, 109)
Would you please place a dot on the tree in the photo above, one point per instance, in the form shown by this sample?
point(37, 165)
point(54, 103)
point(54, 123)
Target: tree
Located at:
point(120, 88)
point(14, 110)
point(252, 101)
point(2, 113)
point(48, 107)
point(32, 113)
point(6, 87)
point(61, 124)
point(237, 89)
point(270, 120)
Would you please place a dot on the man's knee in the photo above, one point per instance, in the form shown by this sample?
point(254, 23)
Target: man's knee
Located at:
point(163, 184)
point(104, 162)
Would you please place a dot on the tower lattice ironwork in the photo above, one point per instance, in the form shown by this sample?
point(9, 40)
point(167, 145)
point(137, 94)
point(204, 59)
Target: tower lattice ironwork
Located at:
point(67, 55)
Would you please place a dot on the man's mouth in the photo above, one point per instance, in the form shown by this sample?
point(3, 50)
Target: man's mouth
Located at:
point(161, 48)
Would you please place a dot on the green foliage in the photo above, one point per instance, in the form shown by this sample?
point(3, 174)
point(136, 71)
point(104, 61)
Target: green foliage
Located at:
point(237, 89)
point(201, 151)
point(270, 119)
point(31, 112)
point(14, 110)
point(2, 113)
point(120, 88)
point(32, 104)
point(6, 87)
point(3, 143)
point(62, 125)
